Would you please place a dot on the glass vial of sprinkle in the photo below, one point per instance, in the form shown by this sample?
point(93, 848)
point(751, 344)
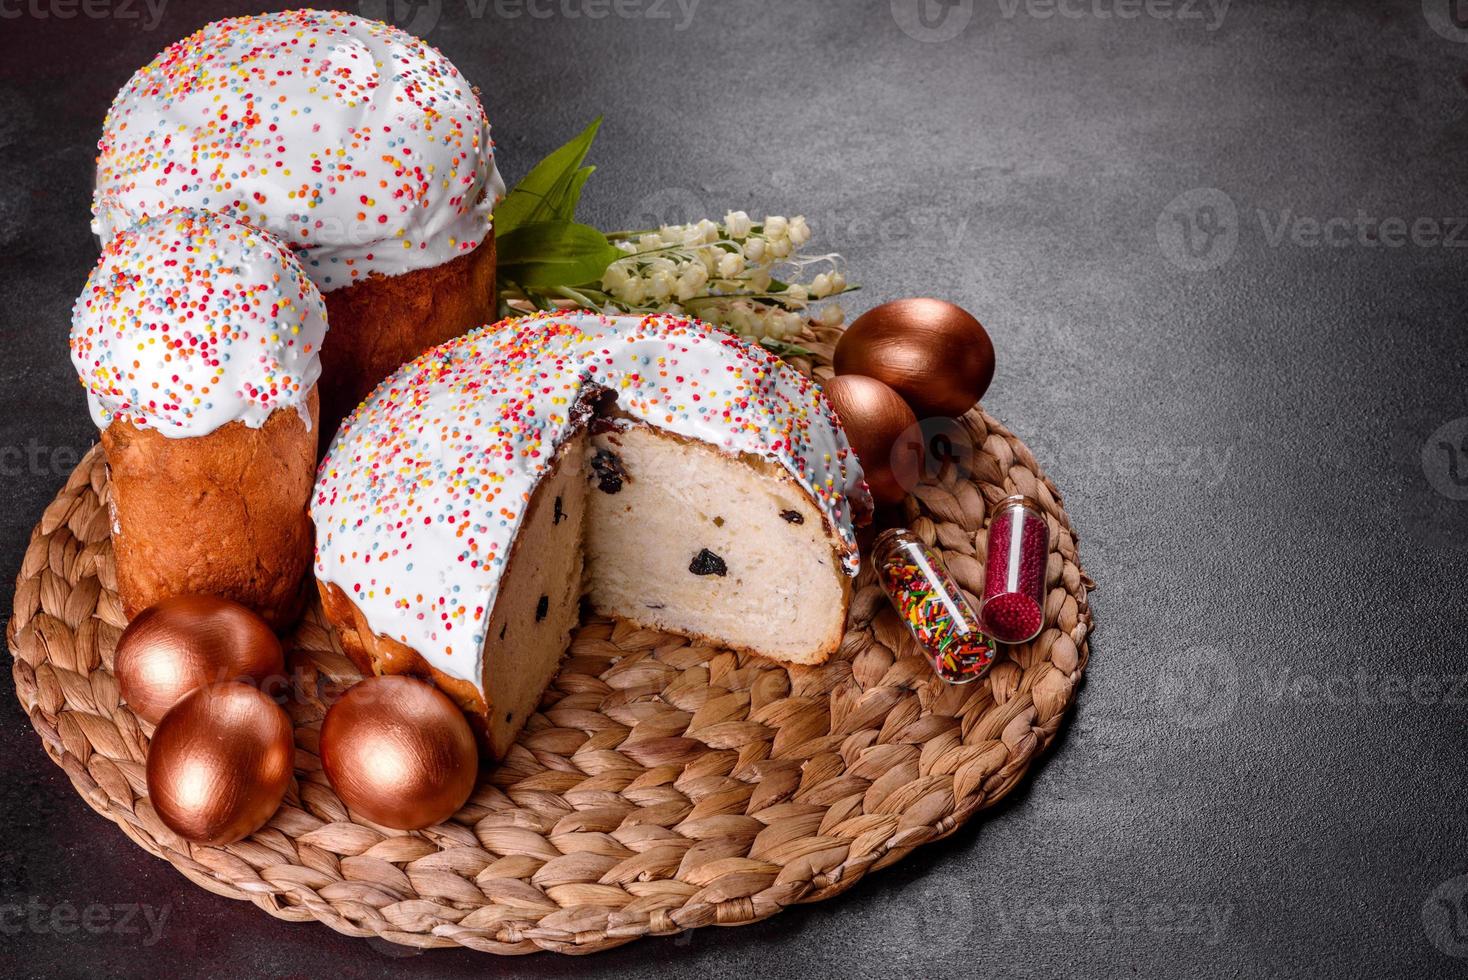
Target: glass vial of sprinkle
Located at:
point(929, 602)
point(1013, 607)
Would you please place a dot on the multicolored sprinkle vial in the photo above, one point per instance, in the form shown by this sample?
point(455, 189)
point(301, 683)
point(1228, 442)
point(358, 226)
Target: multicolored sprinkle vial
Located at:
point(932, 607)
point(1013, 607)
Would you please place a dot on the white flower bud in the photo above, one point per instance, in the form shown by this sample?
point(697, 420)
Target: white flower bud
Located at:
point(776, 227)
point(738, 224)
point(831, 315)
point(754, 249)
point(799, 230)
point(781, 249)
point(838, 281)
point(820, 286)
point(631, 292)
point(730, 264)
point(795, 294)
point(663, 284)
point(614, 276)
point(691, 282)
point(649, 242)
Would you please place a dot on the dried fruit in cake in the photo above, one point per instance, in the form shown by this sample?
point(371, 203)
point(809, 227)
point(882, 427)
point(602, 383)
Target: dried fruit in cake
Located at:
point(465, 509)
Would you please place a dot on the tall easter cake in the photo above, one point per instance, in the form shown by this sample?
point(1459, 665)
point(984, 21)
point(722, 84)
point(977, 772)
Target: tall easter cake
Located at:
point(197, 339)
point(667, 472)
point(357, 144)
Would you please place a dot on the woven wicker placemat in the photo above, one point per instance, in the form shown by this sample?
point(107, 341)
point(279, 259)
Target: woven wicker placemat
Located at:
point(663, 786)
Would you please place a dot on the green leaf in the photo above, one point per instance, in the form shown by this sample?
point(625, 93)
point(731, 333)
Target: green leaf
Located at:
point(552, 188)
point(567, 211)
point(554, 253)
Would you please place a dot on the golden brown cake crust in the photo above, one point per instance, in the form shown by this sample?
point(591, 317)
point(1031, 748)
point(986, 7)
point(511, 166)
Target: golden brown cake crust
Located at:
point(372, 653)
point(220, 514)
point(376, 325)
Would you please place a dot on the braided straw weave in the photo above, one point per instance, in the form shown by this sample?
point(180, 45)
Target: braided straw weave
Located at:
point(663, 786)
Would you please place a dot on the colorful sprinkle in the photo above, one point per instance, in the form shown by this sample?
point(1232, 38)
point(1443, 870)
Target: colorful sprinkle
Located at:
point(932, 607)
point(426, 485)
point(192, 320)
point(338, 134)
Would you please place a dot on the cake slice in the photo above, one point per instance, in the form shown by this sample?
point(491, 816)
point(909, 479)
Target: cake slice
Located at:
point(662, 470)
point(682, 536)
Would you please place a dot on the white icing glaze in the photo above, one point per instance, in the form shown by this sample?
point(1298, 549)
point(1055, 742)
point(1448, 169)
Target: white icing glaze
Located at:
point(359, 145)
point(424, 489)
point(192, 320)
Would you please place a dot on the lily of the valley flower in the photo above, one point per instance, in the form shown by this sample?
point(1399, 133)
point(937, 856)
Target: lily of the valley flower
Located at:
point(725, 273)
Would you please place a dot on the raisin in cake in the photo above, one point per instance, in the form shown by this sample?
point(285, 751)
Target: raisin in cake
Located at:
point(667, 472)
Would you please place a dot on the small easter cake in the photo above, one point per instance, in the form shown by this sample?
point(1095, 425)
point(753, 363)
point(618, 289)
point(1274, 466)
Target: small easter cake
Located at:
point(198, 341)
point(665, 471)
point(357, 144)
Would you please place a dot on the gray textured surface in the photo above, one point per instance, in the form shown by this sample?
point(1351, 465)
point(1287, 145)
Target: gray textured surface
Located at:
point(1251, 452)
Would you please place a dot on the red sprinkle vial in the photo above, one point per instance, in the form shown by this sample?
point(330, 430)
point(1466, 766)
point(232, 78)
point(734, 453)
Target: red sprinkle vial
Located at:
point(1013, 607)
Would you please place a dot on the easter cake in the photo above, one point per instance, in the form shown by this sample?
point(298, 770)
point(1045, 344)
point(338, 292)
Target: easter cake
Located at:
point(664, 471)
point(198, 341)
point(360, 146)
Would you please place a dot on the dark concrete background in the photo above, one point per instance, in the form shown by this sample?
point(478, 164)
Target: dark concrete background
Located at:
point(1261, 440)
